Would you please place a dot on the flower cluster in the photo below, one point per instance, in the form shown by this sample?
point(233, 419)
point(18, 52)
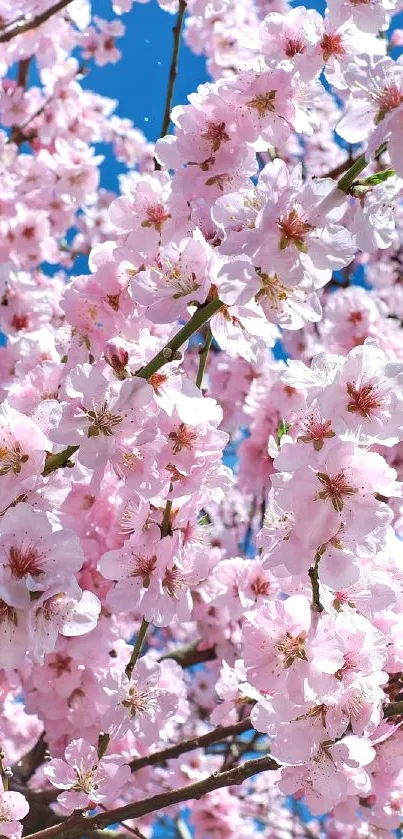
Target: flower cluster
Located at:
point(201, 434)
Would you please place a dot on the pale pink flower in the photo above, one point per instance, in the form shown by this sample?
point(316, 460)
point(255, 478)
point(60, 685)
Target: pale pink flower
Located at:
point(86, 780)
point(139, 705)
point(13, 808)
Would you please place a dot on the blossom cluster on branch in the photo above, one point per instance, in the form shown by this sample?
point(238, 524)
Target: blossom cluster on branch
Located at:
point(201, 437)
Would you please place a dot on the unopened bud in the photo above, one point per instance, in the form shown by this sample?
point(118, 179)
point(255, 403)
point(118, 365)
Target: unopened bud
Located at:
point(116, 354)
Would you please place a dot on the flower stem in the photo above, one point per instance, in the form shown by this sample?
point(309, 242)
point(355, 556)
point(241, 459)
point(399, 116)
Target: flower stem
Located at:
point(56, 461)
point(173, 70)
point(200, 317)
point(313, 573)
point(356, 168)
point(137, 647)
point(203, 353)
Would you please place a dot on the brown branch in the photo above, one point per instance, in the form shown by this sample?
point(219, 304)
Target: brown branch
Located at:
point(341, 168)
point(29, 763)
point(191, 744)
point(23, 71)
point(393, 710)
point(33, 23)
point(81, 824)
point(190, 655)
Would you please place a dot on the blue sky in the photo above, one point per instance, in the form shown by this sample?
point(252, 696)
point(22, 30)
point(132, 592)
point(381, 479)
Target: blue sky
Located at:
point(139, 80)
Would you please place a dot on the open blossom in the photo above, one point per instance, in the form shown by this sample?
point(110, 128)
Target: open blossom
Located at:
point(274, 641)
point(376, 86)
point(85, 779)
point(32, 556)
point(100, 412)
point(365, 397)
point(182, 275)
point(138, 704)
point(22, 454)
point(13, 808)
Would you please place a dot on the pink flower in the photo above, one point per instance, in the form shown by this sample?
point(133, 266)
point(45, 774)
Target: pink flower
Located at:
point(182, 275)
point(346, 646)
point(13, 808)
point(99, 413)
point(33, 557)
point(139, 705)
point(87, 781)
point(365, 397)
point(22, 454)
point(274, 641)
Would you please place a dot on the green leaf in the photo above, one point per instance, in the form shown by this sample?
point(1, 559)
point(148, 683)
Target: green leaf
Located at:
point(283, 428)
point(377, 178)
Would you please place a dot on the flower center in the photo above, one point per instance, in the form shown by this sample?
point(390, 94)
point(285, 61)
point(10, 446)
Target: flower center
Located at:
point(260, 586)
point(183, 283)
point(85, 779)
point(292, 648)
point(173, 582)
point(294, 45)
point(156, 215)
point(11, 459)
point(143, 566)
point(139, 701)
point(103, 422)
point(156, 380)
point(293, 230)
point(183, 438)
point(271, 290)
point(336, 487)
point(25, 560)
point(263, 103)
point(7, 613)
point(215, 134)
point(332, 46)
point(316, 431)
point(364, 400)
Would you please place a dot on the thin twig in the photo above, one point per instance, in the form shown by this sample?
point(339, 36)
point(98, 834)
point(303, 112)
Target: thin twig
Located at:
point(200, 317)
point(190, 655)
point(173, 71)
point(137, 647)
point(190, 745)
point(314, 577)
point(33, 23)
point(56, 461)
point(203, 353)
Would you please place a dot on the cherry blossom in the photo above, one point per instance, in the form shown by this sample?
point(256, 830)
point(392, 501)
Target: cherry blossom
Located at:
point(201, 428)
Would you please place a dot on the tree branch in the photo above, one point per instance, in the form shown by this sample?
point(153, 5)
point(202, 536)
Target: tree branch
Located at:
point(395, 709)
point(56, 461)
point(357, 166)
point(203, 356)
point(200, 317)
point(173, 71)
point(137, 647)
point(192, 744)
point(190, 655)
point(80, 825)
point(33, 23)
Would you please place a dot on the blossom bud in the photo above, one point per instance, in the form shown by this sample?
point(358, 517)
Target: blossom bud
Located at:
point(117, 355)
